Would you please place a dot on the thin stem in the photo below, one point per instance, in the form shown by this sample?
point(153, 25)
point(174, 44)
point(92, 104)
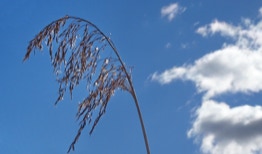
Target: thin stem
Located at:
point(134, 97)
point(132, 90)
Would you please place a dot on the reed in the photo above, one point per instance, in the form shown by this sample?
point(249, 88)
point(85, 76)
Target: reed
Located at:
point(80, 57)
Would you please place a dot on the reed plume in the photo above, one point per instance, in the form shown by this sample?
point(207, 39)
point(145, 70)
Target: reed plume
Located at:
point(80, 57)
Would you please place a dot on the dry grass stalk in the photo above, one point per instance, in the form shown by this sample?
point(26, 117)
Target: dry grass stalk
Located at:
point(79, 57)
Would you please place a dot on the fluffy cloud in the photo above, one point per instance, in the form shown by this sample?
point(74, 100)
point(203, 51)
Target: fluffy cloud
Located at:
point(225, 130)
point(171, 11)
point(233, 68)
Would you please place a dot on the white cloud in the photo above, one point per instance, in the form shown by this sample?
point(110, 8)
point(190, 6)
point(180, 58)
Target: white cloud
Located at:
point(221, 129)
point(248, 35)
point(219, 27)
point(230, 69)
point(169, 75)
point(171, 11)
point(234, 68)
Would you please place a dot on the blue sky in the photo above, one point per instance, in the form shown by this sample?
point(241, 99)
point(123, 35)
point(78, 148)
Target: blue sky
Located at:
point(197, 73)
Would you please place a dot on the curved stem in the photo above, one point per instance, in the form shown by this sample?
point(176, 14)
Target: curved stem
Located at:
point(133, 93)
point(141, 121)
point(132, 90)
point(134, 97)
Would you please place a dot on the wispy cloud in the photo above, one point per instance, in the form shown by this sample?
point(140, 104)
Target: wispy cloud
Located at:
point(234, 68)
point(168, 45)
point(184, 45)
point(260, 11)
point(171, 11)
point(224, 130)
point(219, 27)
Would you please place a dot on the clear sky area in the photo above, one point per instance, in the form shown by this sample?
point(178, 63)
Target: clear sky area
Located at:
point(197, 72)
